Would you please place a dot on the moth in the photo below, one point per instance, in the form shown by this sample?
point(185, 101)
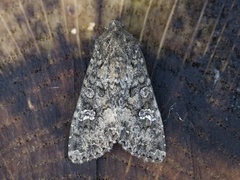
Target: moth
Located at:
point(116, 103)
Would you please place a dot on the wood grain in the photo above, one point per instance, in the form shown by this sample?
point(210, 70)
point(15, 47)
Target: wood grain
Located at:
point(192, 53)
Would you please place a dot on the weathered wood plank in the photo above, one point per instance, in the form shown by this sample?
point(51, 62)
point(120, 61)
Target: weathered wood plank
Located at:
point(192, 52)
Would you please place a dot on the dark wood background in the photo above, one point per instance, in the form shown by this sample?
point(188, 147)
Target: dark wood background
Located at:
point(192, 51)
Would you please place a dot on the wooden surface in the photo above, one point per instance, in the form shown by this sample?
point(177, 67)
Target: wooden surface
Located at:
point(192, 53)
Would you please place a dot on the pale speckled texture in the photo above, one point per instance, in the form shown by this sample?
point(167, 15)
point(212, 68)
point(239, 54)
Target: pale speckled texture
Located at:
point(116, 103)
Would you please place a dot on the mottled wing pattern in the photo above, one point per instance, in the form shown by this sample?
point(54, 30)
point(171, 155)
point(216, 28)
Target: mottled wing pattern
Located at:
point(94, 128)
point(142, 132)
point(116, 103)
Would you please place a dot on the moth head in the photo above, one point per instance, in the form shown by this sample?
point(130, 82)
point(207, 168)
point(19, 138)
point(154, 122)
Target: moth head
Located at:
point(114, 25)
